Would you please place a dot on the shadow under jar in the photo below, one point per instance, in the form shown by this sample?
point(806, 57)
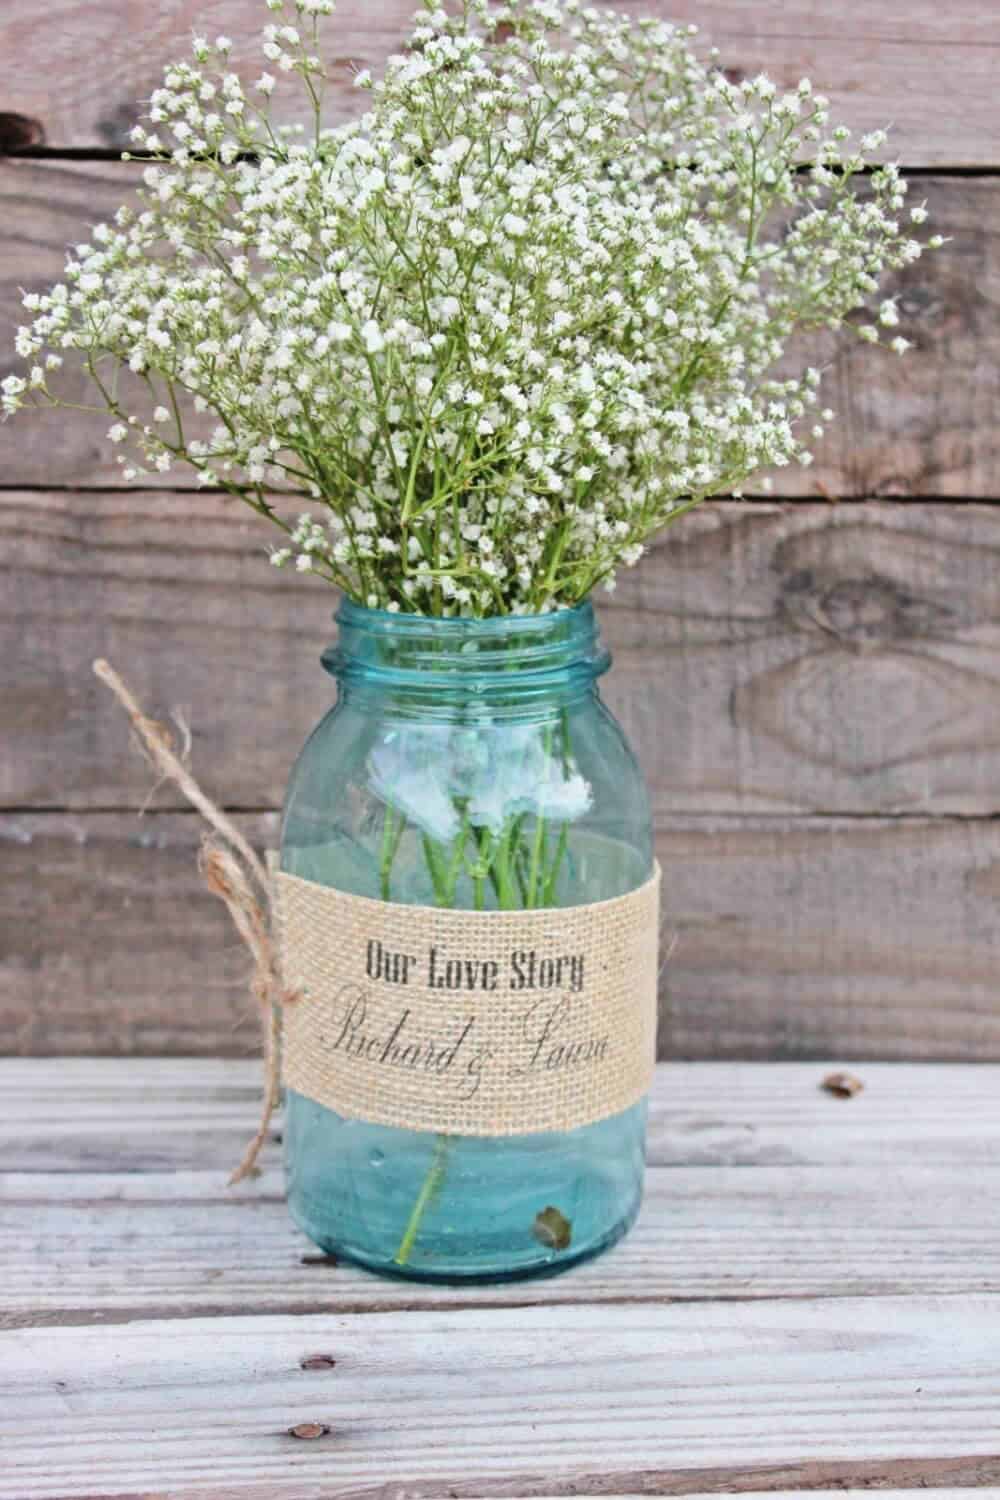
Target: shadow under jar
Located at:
point(471, 765)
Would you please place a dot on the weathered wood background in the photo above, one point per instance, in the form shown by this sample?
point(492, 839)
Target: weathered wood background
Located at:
point(812, 682)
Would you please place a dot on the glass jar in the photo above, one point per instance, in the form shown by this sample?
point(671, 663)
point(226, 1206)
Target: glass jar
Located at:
point(469, 764)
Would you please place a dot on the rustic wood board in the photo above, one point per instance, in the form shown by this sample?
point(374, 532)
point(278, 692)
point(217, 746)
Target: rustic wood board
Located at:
point(131, 947)
point(768, 658)
point(82, 1119)
point(504, 1400)
point(706, 1233)
point(794, 938)
point(925, 425)
point(83, 76)
point(45, 209)
point(852, 1290)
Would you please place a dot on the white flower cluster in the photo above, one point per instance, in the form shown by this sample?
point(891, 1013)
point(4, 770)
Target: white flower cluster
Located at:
point(503, 327)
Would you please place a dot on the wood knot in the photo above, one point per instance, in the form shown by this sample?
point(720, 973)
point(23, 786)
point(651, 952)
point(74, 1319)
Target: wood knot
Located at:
point(860, 611)
point(308, 1432)
point(19, 133)
point(317, 1362)
point(920, 303)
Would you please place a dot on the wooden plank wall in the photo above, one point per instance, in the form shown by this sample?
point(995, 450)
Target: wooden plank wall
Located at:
point(812, 681)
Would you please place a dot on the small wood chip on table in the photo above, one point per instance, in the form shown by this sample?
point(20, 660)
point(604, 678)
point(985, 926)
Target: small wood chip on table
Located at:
point(809, 1303)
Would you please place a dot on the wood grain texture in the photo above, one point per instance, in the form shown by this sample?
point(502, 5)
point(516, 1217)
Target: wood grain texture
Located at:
point(926, 425)
point(125, 577)
point(501, 1401)
point(80, 1121)
point(768, 658)
point(877, 1197)
point(133, 955)
point(182, 1245)
point(807, 1305)
point(84, 77)
point(794, 938)
point(814, 658)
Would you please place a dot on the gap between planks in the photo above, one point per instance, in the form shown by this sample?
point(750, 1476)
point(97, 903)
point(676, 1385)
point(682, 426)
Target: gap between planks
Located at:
point(815, 497)
point(249, 810)
point(102, 155)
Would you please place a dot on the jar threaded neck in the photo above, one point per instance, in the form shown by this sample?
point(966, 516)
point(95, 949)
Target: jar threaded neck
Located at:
point(504, 654)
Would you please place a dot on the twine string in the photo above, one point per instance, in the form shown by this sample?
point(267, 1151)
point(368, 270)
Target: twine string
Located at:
point(233, 872)
point(156, 742)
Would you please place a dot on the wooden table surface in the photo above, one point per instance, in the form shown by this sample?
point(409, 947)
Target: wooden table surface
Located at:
point(808, 1303)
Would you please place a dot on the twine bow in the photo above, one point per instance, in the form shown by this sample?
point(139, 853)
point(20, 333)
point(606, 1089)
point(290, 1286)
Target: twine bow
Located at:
point(234, 872)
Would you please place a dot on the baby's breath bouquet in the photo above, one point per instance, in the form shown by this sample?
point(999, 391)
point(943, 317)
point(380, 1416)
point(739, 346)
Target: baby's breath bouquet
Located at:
point(494, 334)
point(500, 329)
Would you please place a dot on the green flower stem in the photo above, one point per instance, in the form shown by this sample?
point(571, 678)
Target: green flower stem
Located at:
point(392, 832)
point(385, 861)
point(493, 863)
point(431, 1187)
point(479, 871)
point(535, 868)
point(536, 884)
point(438, 872)
point(549, 883)
point(502, 867)
point(444, 878)
point(516, 863)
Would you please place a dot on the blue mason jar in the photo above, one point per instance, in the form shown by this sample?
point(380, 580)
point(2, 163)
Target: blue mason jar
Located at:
point(451, 738)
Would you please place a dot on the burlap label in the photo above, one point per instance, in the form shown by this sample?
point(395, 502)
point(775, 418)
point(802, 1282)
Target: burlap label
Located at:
point(469, 1023)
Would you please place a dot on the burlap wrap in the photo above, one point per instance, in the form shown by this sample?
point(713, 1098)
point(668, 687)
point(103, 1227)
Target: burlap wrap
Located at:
point(468, 1023)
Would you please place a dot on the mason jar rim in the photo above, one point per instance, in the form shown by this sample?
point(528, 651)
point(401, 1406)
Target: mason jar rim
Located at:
point(397, 622)
point(517, 656)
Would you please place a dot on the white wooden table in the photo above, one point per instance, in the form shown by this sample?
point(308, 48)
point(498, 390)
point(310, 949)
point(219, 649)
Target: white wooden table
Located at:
point(809, 1303)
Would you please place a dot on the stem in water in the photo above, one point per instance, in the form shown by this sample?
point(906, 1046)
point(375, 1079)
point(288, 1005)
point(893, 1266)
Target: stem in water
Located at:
point(522, 874)
point(432, 1183)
